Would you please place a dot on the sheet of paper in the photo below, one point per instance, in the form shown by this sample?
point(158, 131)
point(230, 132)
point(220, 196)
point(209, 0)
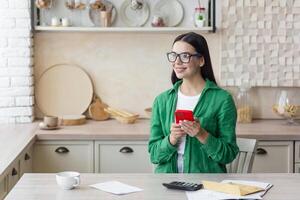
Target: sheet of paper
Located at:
point(212, 195)
point(116, 187)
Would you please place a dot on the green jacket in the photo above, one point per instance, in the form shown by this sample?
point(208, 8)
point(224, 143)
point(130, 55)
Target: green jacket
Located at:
point(217, 114)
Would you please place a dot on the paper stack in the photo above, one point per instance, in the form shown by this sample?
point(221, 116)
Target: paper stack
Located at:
point(235, 190)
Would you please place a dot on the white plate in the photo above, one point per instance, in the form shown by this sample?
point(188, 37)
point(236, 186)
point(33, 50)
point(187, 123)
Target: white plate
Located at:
point(132, 17)
point(171, 10)
point(95, 16)
point(64, 89)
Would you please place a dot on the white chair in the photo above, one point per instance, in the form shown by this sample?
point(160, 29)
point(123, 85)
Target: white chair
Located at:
point(244, 160)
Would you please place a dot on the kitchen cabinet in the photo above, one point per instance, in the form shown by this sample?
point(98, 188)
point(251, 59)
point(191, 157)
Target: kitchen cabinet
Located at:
point(26, 161)
point(22, 164)
point(122, 157)
point(274, 157)
point(3, 187)
point(297, 157)
point(13, 174)
point(55, 156)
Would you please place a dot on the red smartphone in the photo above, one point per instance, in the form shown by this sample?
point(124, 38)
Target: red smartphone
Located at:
point(181, 115)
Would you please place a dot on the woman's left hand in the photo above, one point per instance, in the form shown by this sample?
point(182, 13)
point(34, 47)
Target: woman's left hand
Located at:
point(192, 128)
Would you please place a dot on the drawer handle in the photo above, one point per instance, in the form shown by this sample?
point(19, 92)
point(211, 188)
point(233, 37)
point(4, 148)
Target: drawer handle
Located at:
point(27, 157)
point(14, 172)
point(126, 150)
point(62, 150)
point(261, 151)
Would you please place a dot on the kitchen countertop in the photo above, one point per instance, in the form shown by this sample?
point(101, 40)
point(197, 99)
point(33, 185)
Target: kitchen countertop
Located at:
point(15, 137)
point(99, 130)
point(43, 186)
point(113, 130)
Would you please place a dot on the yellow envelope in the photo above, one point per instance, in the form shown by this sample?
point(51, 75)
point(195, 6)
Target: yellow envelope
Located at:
point(231, 188)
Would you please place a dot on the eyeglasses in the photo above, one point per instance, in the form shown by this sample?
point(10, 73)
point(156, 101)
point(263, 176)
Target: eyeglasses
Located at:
point(184, 57)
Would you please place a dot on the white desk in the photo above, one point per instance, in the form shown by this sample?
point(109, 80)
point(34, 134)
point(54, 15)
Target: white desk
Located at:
point(43, 186)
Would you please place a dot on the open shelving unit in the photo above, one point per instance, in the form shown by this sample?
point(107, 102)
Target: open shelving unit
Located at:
point(40, 24)
point(122, 29)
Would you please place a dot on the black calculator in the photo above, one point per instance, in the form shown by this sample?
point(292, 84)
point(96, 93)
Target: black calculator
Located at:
point(183, 186)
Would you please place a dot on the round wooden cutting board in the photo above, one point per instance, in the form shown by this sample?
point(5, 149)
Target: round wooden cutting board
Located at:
point(64, 89)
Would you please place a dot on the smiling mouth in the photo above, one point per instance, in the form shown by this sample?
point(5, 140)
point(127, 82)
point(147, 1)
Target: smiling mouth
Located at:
point(180, 69)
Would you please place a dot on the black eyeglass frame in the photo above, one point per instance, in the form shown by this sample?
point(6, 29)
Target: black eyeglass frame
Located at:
point(178, 55)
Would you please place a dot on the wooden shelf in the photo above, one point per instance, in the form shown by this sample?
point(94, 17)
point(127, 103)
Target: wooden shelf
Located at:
point(122, 29)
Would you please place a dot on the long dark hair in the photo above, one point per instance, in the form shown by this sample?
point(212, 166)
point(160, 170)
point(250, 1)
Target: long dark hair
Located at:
point(200, 45)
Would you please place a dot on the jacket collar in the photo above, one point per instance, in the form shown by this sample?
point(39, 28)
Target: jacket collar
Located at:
point(208, 85)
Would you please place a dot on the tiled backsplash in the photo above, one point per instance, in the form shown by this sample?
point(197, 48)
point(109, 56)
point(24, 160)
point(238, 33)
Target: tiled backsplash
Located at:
point(16, 71)
point(261, 42)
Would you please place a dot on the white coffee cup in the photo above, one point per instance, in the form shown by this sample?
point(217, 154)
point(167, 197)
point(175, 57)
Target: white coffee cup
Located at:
point(50, 121)
point(55, 21)
point(65, 22)
point(68, 180)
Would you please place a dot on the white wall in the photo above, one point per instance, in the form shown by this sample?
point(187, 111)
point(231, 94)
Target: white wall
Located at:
point(127, 69)
point(16, 72)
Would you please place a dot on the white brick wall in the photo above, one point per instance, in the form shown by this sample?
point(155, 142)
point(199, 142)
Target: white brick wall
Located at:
point(16, 61)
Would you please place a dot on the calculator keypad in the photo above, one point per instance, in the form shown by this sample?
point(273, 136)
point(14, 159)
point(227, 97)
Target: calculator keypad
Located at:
point(183, 186)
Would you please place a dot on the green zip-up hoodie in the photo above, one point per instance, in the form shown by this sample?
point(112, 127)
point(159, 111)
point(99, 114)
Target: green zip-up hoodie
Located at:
point(216, 112)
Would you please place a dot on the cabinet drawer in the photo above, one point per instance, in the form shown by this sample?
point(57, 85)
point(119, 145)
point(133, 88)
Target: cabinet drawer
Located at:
point(26, 161)
point(3, 187)
point(297, 151)
point(122, 157)
point(297, 168)
point(273, 157)
point(56, 156)
point(13, 174)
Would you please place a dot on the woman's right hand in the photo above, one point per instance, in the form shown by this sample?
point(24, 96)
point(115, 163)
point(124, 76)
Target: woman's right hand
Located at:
point(176, 133)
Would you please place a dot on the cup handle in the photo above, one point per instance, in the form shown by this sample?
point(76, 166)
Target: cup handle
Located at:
point(77, 181)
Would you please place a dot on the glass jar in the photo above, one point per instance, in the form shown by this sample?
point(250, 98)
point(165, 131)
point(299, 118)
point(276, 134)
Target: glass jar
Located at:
point(199, 16)
point(287, 105)
point(244, 108)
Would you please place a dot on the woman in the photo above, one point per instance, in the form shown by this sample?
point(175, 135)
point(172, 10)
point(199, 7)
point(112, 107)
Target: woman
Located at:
point(206, 144)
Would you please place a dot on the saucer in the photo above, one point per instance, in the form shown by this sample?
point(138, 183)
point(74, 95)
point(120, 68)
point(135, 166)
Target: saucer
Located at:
point(45, 127)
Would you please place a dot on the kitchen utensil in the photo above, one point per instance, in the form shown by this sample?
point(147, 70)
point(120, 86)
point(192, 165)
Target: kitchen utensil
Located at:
point(171, 10)
point(96, 110)
point(105, 18)
point(64, 89)
point(122, 115)
point(72, 120)
point(148, 112)
point(131, 17)
point(95, 14)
